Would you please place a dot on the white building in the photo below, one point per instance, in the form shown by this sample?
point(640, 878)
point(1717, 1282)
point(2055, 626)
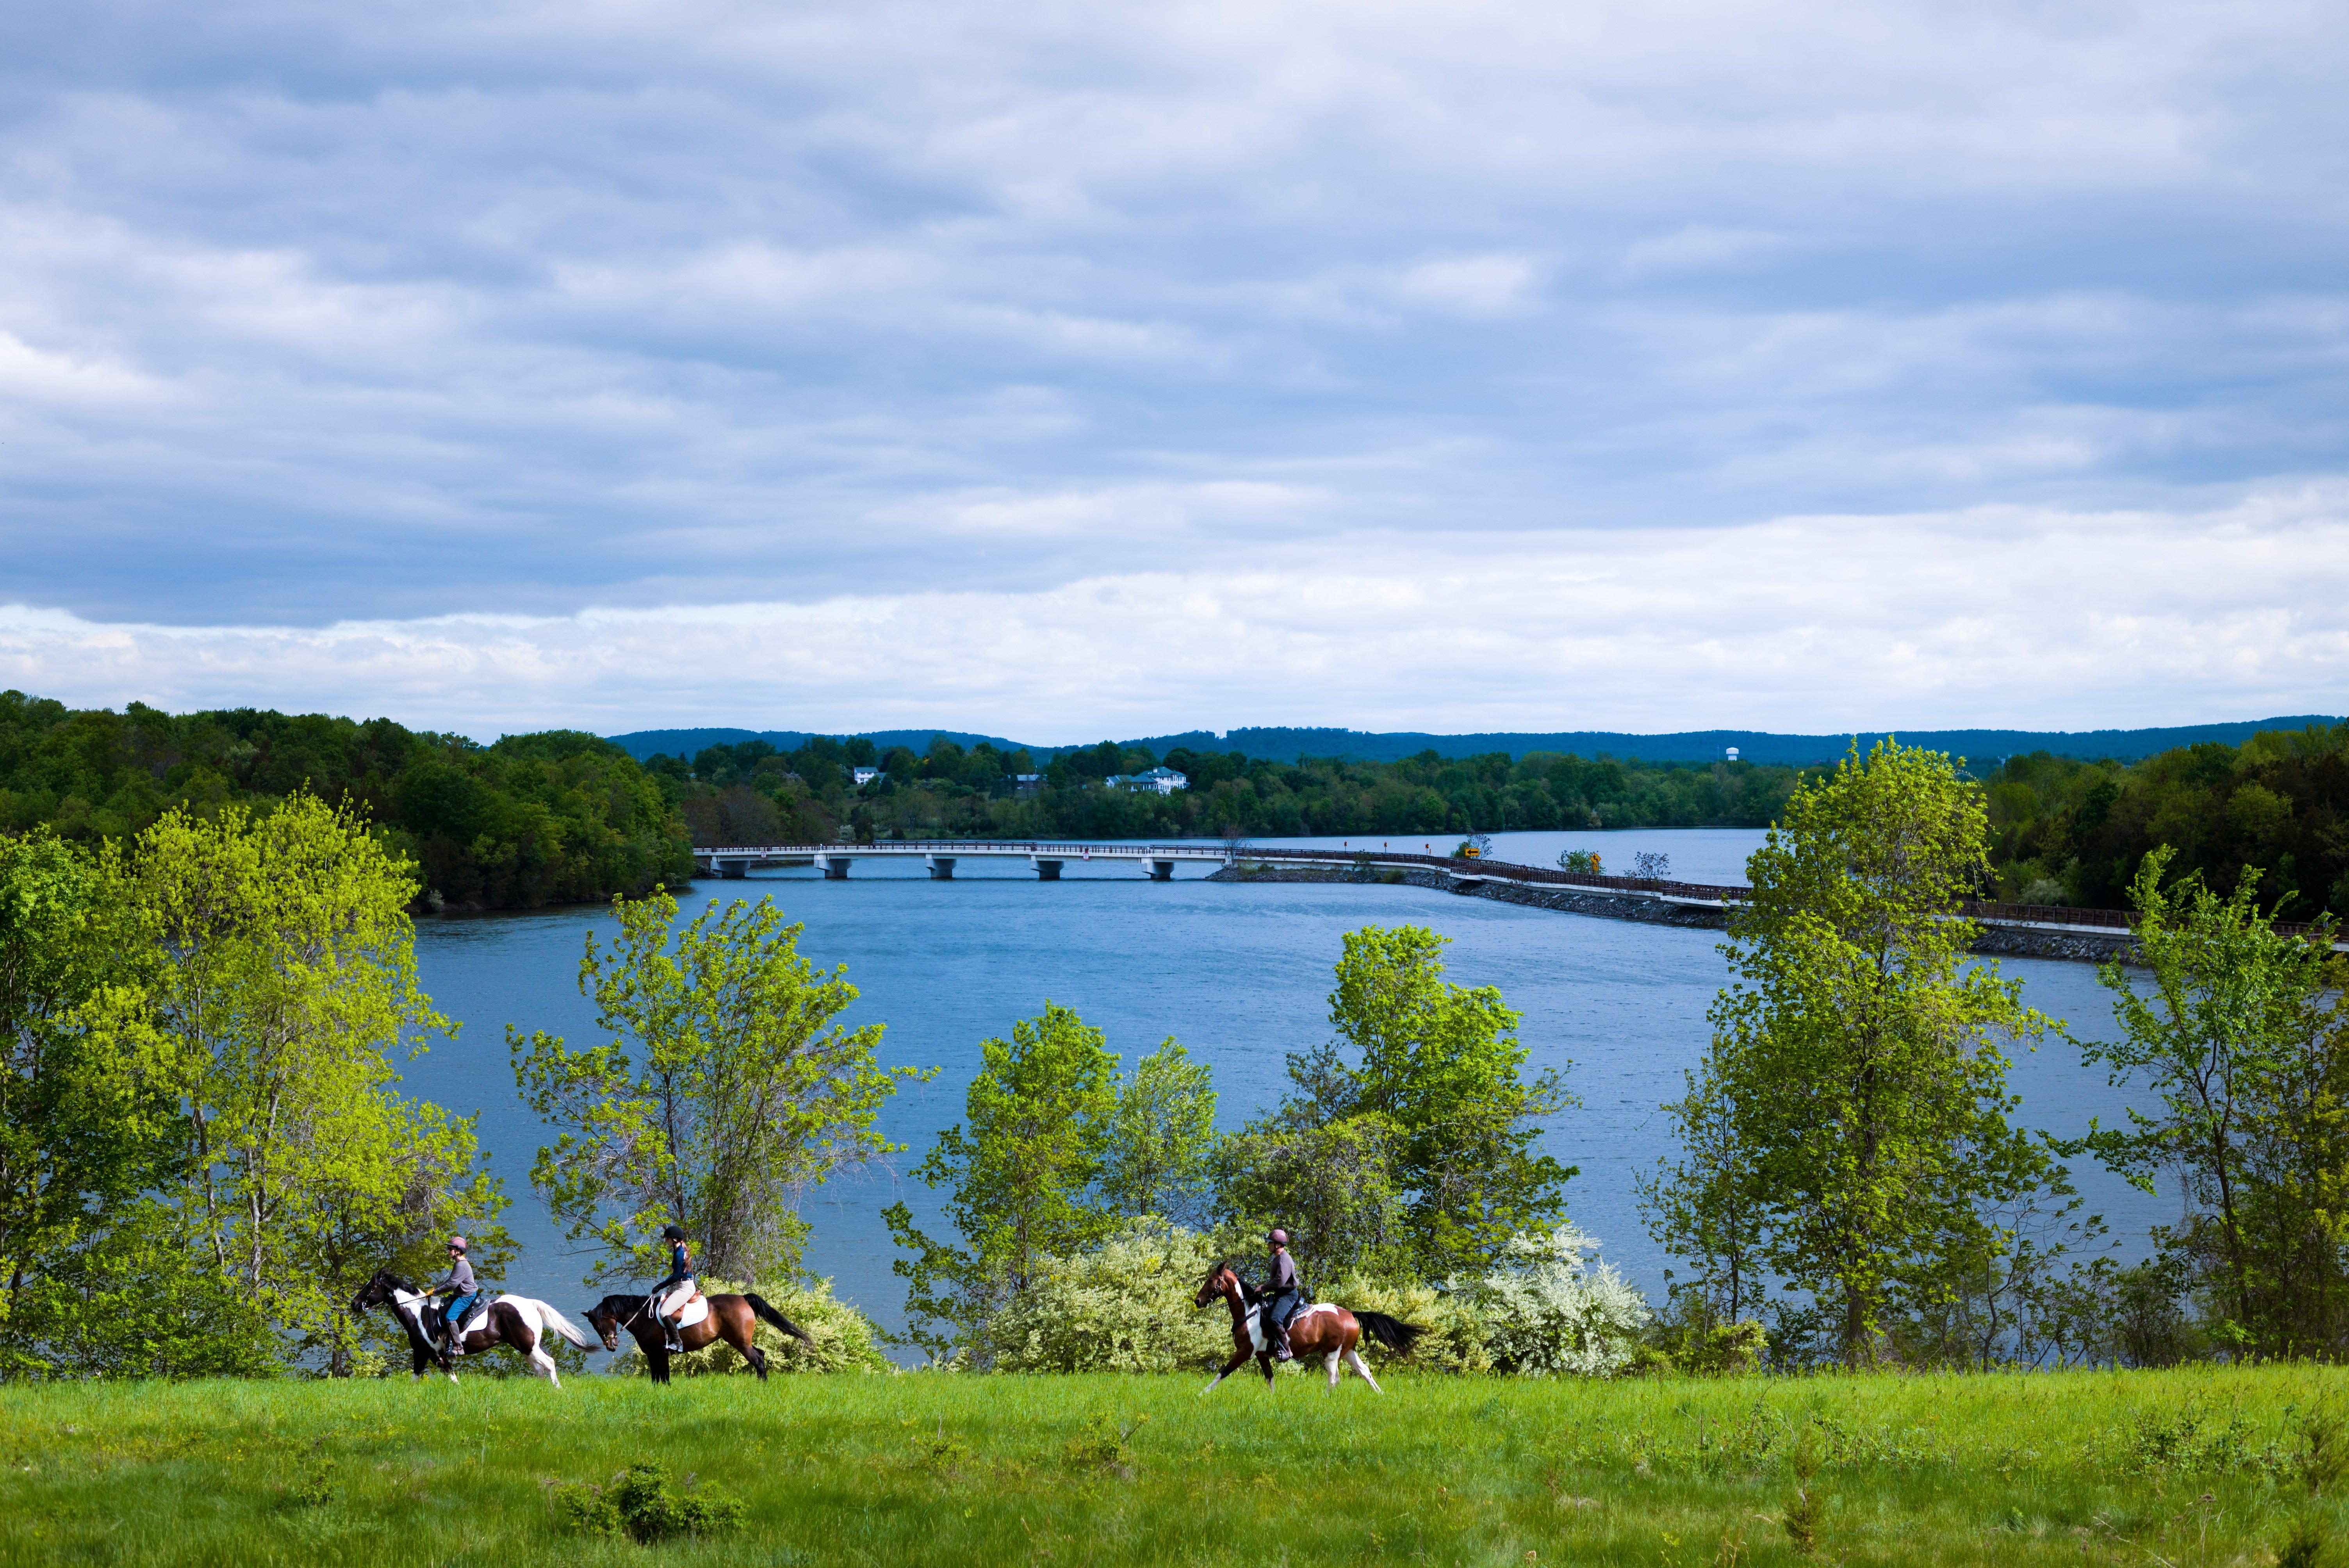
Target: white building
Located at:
point(864, 776)
point(1162, 780)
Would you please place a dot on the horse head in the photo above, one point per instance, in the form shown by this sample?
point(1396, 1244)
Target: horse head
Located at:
point(1214, 1286)
point(376, 1292)
point(605, 1317)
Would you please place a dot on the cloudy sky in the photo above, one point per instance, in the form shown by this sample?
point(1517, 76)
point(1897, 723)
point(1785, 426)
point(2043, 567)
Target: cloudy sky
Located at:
point(1070, 369)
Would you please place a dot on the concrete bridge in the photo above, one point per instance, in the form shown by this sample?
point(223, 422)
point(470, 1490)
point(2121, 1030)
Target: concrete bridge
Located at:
point(940, 855)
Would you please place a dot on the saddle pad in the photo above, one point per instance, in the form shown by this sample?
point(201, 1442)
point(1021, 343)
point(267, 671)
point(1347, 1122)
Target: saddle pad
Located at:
point(695, 1310)
point(478, 1320)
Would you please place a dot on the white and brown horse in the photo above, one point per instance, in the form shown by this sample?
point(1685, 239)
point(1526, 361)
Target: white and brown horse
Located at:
point(520, 1322)
point(1322, 1329)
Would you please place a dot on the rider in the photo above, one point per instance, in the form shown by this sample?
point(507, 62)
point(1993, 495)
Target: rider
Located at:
point(459, 1284)
point(680, 1281)
point(1281, 1298)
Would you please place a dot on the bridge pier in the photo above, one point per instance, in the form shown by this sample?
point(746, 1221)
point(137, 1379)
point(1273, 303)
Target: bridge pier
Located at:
point(1045, 871)
point(835, 867)
point(941, 867)
point(1162, 871)
point(733, 870)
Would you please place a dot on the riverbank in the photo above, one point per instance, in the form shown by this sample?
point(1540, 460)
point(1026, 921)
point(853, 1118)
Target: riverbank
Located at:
point(1997, 939)
point(2204, 1465)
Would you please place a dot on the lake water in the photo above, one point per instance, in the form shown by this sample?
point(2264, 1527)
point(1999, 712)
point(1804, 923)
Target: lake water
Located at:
point(1239, 973)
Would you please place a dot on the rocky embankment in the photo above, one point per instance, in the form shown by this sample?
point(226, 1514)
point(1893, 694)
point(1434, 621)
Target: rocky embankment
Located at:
point(2004, 940)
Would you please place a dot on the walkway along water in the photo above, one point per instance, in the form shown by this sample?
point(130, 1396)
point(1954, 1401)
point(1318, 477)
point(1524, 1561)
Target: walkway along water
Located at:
point(2017, 930)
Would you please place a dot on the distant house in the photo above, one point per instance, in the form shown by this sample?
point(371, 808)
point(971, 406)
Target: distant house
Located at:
point(1026, 784)
point(1158, 781)
point(864, 776)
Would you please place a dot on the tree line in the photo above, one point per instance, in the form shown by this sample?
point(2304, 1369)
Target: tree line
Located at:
point(752, 793)
point(2069, 831)
point(533, 819)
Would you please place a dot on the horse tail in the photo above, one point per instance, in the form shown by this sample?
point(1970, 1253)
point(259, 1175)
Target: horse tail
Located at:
point(1391, 1332)
point(562, 1324)
point(775, 1319)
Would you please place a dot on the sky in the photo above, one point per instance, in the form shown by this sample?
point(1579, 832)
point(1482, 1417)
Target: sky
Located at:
point(1063, 370)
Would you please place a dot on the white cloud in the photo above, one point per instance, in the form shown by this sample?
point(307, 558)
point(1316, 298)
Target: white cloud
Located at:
point(368, 318)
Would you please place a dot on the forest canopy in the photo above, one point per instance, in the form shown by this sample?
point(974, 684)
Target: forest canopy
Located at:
point(560, 817)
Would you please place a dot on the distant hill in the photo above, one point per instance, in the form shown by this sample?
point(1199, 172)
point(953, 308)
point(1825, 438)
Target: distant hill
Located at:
point(1685, 745)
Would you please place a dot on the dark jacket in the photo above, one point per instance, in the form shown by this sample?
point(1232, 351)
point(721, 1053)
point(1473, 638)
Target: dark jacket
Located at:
point(680, 1269)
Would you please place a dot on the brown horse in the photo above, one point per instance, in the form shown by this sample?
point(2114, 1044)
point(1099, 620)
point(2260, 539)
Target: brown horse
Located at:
point(732, 1319)
point(1321, 1329)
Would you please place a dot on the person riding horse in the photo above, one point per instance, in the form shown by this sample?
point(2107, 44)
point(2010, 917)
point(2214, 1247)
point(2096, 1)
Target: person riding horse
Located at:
point(1281, 1296)
point(671, 1296)
point(449, 1331)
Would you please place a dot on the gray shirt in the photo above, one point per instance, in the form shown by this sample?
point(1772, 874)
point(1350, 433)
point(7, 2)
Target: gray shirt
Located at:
point(460, 1281)
point(1284, 1274)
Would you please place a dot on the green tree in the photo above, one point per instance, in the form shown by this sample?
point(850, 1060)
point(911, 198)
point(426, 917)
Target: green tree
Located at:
point(1330, 1185)
point(1439, 1067)
point(1848, 1128)
point(1162, 1137)
point(280, 977)
point(85, 1128)
point(725, 1091)
point(1704, 1206)
point(1021, 1172)
point(2243, 1033)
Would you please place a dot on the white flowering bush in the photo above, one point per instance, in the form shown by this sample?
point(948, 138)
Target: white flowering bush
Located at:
point(1549, 1311)
point(1123, 1307)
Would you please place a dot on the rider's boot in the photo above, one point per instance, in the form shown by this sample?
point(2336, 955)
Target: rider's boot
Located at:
point(672, 1338)
point(1280, 1351)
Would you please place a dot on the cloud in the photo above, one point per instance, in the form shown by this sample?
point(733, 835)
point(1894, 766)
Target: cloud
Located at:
point(2030, 617)
point(408, 318)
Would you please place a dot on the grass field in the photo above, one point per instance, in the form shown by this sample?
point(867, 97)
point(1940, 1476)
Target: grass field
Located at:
point(2203, 1466)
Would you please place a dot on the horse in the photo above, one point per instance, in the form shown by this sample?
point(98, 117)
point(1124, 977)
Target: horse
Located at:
point(517, 1321)
point(1322, 1329)
point(730, 1318)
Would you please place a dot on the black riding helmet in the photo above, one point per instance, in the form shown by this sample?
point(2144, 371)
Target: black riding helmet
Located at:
point(672, 1232)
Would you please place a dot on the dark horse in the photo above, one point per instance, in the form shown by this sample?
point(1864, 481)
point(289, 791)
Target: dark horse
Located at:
point(1324, 1330)
point(517, 1321)
point(730, 1319)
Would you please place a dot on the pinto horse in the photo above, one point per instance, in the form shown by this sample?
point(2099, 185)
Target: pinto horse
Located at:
point(731, 1319)
point(517, 1321)
point(1324, 1330)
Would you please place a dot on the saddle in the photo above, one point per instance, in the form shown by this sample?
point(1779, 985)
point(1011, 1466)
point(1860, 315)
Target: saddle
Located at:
point(696, 1309)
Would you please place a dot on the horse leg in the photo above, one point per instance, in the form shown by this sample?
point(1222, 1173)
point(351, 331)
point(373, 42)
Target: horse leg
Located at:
point(1354, 1359)
point(1234, 1364)
point(1264, 1359)
point(1329, 1363)
point(658, 1356)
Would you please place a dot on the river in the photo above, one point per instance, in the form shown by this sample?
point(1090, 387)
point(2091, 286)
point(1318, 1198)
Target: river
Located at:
point(1240, 972)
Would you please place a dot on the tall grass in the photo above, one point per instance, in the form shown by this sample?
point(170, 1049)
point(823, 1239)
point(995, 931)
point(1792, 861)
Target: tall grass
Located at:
point(2197, 1466)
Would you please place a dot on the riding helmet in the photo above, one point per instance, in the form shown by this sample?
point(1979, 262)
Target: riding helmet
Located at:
point(458, 1241)
point(1279, 1238)
point(672, 1232)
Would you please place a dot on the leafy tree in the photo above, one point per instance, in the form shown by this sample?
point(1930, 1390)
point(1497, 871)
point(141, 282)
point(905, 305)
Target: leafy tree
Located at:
point(725, 1091)
point(1848, 1128)
point(1162, 1137)
point(85, 1129)
point(2243, 1033)
point(1023, 1173)
point(1440, 1068)
point(1330, 1184)
point(280, 976)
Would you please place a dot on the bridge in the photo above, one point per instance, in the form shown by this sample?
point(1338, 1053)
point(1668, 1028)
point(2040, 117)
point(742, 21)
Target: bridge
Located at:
point(940, 855)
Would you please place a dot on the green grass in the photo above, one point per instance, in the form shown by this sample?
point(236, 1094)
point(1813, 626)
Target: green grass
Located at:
point(2203, 1466)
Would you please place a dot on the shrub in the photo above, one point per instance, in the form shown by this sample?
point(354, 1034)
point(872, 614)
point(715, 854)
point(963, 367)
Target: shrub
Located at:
point(1125, 1305)
point(642, 1504)
point(846, 1340)
point(1547, 1312)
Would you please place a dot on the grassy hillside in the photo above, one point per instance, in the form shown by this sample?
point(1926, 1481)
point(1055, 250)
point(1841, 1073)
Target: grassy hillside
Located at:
point(2199, 1465)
